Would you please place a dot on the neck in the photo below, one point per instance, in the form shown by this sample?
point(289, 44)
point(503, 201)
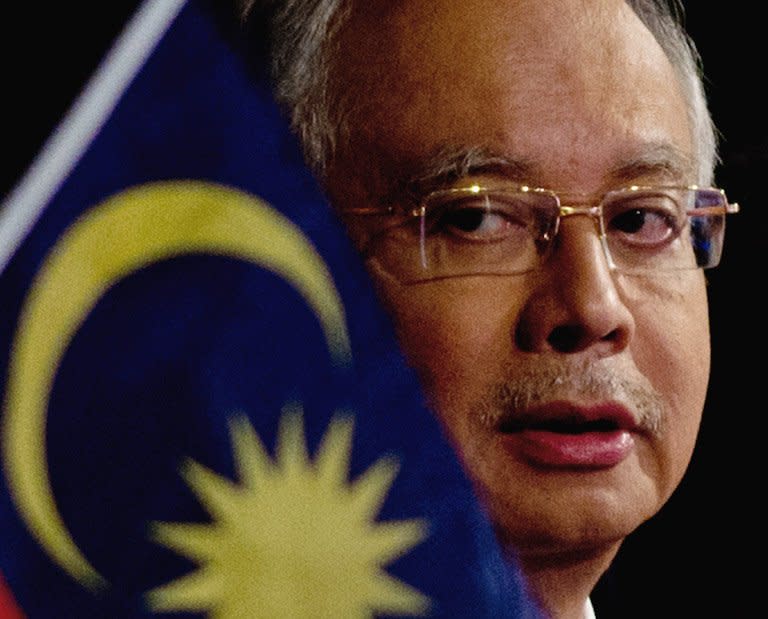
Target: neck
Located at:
point(562, 581)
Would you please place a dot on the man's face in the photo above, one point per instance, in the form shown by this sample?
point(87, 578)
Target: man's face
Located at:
point(572, 393)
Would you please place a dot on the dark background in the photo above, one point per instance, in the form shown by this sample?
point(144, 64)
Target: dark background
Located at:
point(702, 554)
point(698, 556)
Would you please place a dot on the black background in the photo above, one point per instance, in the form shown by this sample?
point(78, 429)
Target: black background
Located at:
point(702, 554)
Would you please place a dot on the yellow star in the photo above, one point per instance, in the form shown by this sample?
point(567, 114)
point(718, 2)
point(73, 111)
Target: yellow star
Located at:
point(293, 539)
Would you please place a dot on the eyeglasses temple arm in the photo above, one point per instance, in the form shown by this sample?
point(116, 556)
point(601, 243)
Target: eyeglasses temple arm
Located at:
point(705, 211)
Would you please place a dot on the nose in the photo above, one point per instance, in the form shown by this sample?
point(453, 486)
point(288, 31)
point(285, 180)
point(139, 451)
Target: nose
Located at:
point(575, 304)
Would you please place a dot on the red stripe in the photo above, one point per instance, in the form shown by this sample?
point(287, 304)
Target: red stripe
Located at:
point(8, 607)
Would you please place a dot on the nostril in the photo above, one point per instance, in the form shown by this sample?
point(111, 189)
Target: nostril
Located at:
point(572, 338)
point(566, 338)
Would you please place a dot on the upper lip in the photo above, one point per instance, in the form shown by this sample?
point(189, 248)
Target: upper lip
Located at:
point(570, 418)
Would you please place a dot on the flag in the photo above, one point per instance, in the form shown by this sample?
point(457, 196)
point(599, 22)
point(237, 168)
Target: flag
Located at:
point(204, 411)
point(8, 607)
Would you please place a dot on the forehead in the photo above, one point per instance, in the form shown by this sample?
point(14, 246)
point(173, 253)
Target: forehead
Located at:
point(542, 81)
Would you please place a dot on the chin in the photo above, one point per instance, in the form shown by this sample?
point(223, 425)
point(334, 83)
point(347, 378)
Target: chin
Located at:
point(548, 513)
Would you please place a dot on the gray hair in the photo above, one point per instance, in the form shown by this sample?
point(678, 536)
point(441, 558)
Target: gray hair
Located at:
point(301, 38)
point(664, 20)
point(303, 32)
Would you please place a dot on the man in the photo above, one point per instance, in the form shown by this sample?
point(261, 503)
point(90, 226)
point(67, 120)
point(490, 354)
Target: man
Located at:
point(560, 334)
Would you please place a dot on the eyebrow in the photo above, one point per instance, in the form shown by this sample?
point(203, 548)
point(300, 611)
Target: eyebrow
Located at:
point(658, 160)
point(451, 164)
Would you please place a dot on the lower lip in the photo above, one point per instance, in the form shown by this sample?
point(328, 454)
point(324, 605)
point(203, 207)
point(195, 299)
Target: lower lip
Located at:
point(588, 450)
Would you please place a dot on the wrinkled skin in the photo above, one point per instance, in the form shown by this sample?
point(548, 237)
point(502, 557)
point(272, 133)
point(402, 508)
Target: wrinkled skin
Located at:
point(582, 97)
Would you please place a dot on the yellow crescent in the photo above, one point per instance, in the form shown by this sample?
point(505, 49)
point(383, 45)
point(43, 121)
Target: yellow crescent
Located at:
point(125, 233)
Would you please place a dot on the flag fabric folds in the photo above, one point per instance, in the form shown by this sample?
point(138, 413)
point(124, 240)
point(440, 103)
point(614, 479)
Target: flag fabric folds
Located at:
point(204, 412)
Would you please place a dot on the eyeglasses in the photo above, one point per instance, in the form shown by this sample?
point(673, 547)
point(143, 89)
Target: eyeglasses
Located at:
point(484, 231)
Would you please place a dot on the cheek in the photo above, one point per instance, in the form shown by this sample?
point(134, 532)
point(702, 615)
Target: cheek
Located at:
point(457, 334)
point(671, 348)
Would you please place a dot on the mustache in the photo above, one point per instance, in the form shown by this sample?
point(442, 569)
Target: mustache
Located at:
point(603, 380)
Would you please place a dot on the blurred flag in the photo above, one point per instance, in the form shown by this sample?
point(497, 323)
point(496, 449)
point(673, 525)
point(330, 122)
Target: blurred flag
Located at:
point(8, 608)
point(204, 412)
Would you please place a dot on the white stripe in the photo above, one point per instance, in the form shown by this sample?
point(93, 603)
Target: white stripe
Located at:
point(90, 111)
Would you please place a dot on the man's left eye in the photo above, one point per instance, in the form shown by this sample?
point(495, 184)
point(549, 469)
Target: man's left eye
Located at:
point(643, 225)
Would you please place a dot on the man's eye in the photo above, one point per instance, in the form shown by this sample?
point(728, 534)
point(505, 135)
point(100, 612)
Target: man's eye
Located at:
point(644, 225)
point(477, 222)
point(471, 221)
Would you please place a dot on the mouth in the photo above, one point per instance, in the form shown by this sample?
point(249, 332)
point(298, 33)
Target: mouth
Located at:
point(573, 426)
point(565, 435)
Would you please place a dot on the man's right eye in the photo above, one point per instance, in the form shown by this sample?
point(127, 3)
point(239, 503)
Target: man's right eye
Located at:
point(474, 222)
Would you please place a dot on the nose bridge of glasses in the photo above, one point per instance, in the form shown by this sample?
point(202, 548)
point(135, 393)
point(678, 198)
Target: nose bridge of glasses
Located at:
point(571, 210)
point(595, 212)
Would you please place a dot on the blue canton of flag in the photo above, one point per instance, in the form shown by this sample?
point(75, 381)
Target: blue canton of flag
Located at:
point(204, 411)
